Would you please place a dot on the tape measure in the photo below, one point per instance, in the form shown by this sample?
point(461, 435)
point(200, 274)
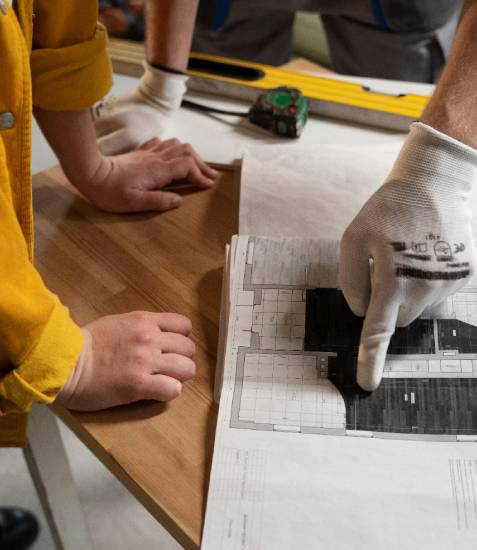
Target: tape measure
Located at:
point(283, 111)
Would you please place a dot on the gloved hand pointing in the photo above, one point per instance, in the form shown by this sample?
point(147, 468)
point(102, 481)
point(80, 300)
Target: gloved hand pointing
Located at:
point(129, 120)
point(411, 245)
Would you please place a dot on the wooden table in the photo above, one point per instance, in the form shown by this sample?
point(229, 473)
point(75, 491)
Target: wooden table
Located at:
point(99, 264)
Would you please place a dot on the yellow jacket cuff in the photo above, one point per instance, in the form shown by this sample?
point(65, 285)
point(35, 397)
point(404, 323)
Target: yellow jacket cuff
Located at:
point(72, 77)
point(46, 369)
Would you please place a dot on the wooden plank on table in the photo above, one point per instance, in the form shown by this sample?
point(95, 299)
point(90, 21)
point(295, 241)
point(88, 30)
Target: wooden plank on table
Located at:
point(99, 264)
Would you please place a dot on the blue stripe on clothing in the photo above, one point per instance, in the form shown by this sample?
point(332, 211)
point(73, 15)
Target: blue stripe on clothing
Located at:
point(221, 14)
point(379, 15)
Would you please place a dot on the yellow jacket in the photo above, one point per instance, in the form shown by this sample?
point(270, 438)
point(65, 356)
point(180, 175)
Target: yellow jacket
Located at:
point(55, 49)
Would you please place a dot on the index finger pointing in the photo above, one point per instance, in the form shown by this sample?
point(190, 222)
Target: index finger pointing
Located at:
point(378, 327)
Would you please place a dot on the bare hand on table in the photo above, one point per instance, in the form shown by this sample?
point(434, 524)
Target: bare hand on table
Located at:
point(417, 231)
point(134, 181)
point(128, 358)
point(131, 182)
point(137, 355)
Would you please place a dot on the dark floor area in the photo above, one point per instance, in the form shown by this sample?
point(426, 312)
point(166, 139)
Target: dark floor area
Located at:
point(457, 335)
point(419, 405)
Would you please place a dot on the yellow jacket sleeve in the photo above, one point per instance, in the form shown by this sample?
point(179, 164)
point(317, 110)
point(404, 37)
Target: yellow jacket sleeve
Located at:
point(39, 342)
point(70, 66)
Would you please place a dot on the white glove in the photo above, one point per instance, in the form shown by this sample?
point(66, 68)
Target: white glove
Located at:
point(129, 120)
point(411, 245)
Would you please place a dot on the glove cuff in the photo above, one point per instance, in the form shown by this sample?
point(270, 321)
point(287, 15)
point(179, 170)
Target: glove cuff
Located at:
point(162, 89)
point(433, 164)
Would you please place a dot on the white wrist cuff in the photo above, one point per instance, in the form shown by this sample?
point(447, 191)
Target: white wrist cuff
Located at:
point(163, 89)
point(429, 160)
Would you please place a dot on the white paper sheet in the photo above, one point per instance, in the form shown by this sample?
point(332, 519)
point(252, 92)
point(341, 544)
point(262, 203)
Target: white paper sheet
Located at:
point(288, 470)
point(310, 191)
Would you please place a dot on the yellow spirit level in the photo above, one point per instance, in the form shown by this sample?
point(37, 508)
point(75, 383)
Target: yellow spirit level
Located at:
point(327, 96)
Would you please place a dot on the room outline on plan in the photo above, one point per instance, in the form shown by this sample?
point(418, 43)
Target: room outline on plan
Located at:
point(294, 347)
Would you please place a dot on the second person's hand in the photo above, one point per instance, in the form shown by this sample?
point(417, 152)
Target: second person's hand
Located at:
point(125, 122)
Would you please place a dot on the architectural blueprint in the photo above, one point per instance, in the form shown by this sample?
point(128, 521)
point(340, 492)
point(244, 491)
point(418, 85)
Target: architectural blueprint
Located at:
point(305, 459)
point(297, 369)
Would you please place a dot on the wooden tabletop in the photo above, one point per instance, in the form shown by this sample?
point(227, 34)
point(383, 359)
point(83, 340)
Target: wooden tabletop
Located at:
point(99, 264)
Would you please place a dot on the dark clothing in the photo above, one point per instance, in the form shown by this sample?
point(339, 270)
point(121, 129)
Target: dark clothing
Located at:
point(135, 23)
point(397, 39)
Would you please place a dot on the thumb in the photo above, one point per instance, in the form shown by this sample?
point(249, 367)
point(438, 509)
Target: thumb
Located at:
point(378, 328)
point(161, 388)
point(159, 201)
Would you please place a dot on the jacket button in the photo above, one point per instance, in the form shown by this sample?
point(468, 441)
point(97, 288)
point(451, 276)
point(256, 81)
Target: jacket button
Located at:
point(7, 120)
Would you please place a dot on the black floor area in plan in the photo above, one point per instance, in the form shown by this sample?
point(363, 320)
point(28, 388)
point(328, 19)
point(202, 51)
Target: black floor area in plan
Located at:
point(457, 335)
point(331, 326)
point(421, 406)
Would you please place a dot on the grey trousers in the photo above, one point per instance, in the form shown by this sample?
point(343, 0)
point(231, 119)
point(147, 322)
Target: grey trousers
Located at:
point(396, 39)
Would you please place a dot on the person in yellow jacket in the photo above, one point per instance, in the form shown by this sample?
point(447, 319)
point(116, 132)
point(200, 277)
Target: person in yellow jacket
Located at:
point(53, 62)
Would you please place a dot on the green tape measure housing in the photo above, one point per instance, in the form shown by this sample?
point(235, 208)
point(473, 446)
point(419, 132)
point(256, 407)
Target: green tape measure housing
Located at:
point(283, 111)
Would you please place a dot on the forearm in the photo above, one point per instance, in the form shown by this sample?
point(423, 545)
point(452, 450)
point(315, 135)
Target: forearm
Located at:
point(452, 108)
point(72, 137)
point(169, 29)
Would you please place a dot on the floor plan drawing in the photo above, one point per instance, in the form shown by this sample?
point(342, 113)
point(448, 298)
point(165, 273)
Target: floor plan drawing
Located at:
point(296, 347)
point(297, 440)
